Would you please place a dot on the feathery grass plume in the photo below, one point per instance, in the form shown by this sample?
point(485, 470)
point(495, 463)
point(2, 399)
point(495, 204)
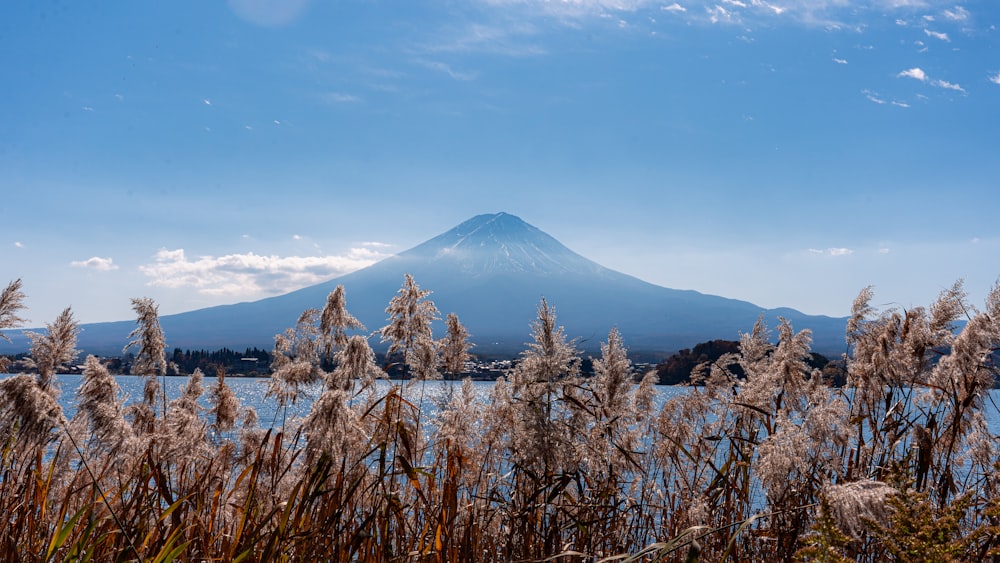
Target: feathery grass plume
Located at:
point(888, 356)
point(546, 368)
point(99, 408)
point(645, 395)
point(251, 436)
point(225, 405)
point(295, 362)
point(957, 388)
point(455, 346)
point(458, 420)
point(332, 427)
point(355, 362)
point(150, 362)
point(185, 437)
point(613, 377)
point(858, 505)
point(32, 411)
point(29, 412)
point(409, 330)
point(11, 301)
point(334, 323)
point(608, 435)
point(54, 349)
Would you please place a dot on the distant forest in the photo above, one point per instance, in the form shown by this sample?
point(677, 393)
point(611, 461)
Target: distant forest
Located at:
point(677, 368)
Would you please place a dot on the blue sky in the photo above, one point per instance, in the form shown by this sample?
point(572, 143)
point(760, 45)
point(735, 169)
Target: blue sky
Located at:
point(787, 153)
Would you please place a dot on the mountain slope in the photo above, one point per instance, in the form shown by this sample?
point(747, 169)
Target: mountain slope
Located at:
point(491, 270)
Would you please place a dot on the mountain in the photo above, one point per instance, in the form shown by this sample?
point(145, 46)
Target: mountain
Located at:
point(491, 270)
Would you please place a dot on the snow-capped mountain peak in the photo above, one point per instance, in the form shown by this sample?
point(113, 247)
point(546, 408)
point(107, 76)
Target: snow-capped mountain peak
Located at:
point(501, 243)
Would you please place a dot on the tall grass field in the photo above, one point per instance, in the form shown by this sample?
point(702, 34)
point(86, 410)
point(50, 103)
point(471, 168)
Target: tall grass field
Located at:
point(759, 460)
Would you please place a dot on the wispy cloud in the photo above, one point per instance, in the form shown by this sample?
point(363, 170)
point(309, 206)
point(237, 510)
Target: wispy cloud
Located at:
point(18, 244)
point(718, 14)
point(96, 263)
point(512, 40)
point(832, 251)
point(995, 78)
point(249, 275)
point(874, 97)
point(957, 13)
point(948, 85)
point(840, 61)
point(918, 74)
point(831, 14)
point(937, 35)
point(338, 98)
point(446, 69)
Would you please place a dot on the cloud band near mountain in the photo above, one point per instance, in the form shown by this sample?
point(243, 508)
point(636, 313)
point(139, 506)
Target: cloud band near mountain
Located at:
point(252, 275)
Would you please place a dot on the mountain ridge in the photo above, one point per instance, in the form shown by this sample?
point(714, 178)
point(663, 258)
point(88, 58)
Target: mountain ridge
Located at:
point(492, 270)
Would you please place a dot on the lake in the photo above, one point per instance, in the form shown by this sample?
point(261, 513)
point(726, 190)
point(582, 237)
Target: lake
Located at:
point(251, 392)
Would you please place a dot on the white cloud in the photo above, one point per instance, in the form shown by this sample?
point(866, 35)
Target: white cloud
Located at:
point(832, 251)
point(872, 96)
point(840, 61)
point(915, 73)
point(919, 74)
point(251, 275)
point(883, 250)
point(736, 3)
point(296, 237)
point(719, 14)
point(995, 78)
point(948, 85)
point(95, 262)
point(778, 10)
point(18, 244)
point(675, 7)
point(957, 14)
point(207, 102)
point(937, 35)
